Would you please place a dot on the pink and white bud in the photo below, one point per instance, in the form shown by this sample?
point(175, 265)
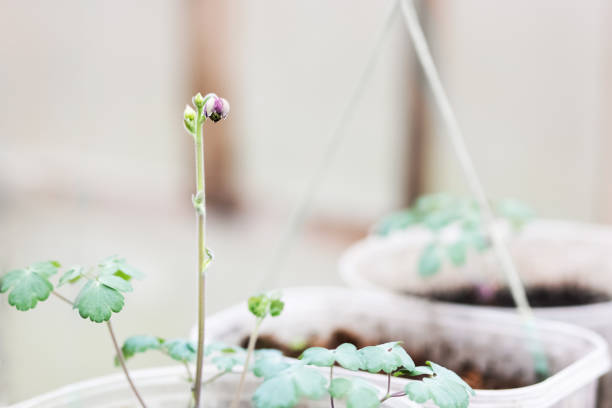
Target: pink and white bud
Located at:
point(215, 108)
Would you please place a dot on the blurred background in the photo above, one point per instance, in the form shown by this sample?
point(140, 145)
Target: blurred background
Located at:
point(94, 160)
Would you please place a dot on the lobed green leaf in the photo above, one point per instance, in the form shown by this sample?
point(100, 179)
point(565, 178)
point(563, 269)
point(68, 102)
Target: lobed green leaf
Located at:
point(284, 389)
point(277, 392)
point(116, 283)
point(430, 260)
point(269, 363)
point(114, 265)
point(457, 252)
point(358, 393)
point(181, 350)
point(71, 275)
point(349, 357)
point(97, 301)
point(387, 357)
point(318, 356)
point(445, 388)
point(139, 344)
point(30, 285)
point(346, 355)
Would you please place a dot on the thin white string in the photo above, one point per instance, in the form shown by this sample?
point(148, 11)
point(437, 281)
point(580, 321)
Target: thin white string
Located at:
point(335, 138)
point(456, 137)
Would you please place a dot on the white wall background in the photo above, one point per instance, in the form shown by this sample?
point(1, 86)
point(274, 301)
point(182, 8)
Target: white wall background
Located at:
point(301, 63)
point(527, 80)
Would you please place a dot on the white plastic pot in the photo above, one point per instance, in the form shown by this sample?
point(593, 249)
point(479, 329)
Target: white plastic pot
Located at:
point(577, 356)
point(545, 252)
point(161, 388)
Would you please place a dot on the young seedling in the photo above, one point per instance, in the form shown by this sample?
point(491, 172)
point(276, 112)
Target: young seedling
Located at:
point(286, 381)
point(441, 212)
point(260, 306)
point(100, 296)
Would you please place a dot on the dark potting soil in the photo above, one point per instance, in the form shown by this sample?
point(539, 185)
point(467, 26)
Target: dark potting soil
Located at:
point(489, 379)
point(566, 294)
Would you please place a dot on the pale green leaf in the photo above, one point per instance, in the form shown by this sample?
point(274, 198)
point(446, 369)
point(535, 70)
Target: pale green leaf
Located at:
point(140, 344)
point(310, 382)
point(116, 282)
point(71, 275)
point(45, 269)
point(357, 392)
point(457, 253)
point(339, 387)
point(269, 363)
point(388, 357)
point(181, 350)
point(97, 302)
point(348, 357)
point(445, 388)
point(417, 391)
point(276, 392)
point(318, 356)
point(430, 260)
point(27, 287)
point(114, 265)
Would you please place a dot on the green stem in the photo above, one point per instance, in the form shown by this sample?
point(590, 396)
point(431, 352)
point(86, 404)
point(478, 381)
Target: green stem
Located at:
point(123, 365)
point(394, 395)
point(331, 378)
point(214, 377)
point(245, 369)
point(117, 350)
point(189, 375)
point(202, 258)
point(63, 298)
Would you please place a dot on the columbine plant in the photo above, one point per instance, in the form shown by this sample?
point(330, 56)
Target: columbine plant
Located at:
point(439, 213)
point(285, 381)
point(214, 108)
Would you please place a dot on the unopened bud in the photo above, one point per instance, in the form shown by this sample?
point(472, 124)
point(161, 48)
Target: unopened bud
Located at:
point(216, 108)
point(189, 119)
point(198, 101)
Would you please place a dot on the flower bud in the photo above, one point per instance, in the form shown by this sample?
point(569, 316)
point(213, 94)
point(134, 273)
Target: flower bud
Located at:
point(189, 119)
point(216, 108)
point(198, 101)
point(189, 113)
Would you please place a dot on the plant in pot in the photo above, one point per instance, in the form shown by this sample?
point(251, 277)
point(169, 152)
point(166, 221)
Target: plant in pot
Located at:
point(491, 352)
point(439, 250)
point(226, 379)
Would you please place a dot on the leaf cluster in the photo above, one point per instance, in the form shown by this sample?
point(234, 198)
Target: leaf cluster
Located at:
point(286, 381)
point(265, 304)
point(223, 356)
point(439, 211)
point(177, 349)
point(98, 299)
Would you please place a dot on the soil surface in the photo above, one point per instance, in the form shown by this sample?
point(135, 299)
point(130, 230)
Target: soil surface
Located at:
point(489, 379)
point(566, 294)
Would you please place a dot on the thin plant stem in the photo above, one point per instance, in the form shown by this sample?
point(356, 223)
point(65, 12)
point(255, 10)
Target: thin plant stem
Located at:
point(331, 378)
point(388, 383)
point(336, 136)
point(189, 374)
point(394, 395)
point(214, 377)
point(63, 298)
point(202, 258)
point(123, 366)
point(245, 369)
point(458, 142)
point(117, 349)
